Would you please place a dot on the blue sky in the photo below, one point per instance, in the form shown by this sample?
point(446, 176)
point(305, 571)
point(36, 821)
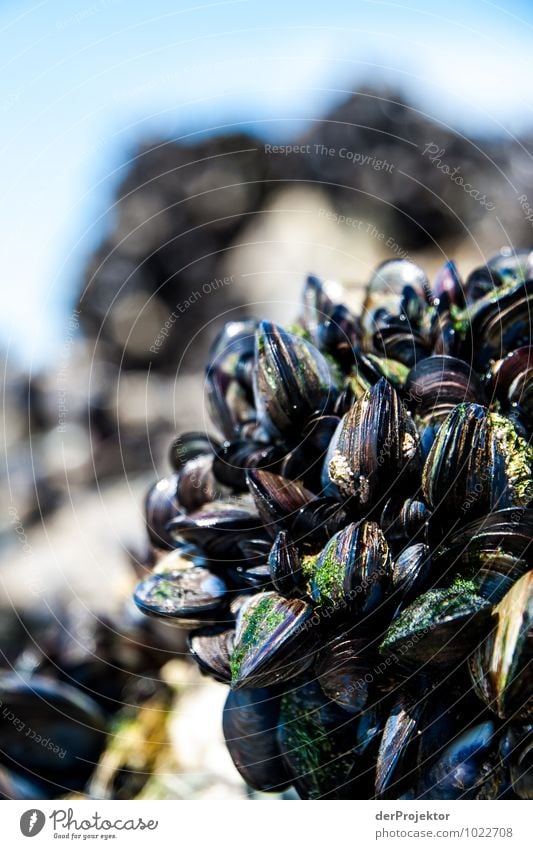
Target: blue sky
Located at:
point(80, 80)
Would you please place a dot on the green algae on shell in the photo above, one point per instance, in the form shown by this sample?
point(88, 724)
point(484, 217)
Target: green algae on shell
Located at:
point(353, 570)
point(318, 742)
point(273, 641)
point(477, 463)
point(436, 628)
point(189, 594)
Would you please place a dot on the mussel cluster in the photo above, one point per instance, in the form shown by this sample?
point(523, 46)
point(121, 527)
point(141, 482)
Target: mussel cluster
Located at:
point(352, 554)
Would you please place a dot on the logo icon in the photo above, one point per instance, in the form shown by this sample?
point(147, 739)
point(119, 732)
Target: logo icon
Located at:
point(32, 822)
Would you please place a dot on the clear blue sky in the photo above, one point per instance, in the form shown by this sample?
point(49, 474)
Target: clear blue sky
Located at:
point(80, 80)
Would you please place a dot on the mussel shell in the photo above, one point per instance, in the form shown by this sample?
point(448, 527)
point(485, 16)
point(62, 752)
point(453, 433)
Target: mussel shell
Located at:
point(321, 747)
point(233, 459)
point(161, 506)
point(317, 522)
point(480, 282)
point(437, 384)
point(464, 767)
point(448, 289)
point(229, 398)
point(59, 732)
point(499, 541)
point(521, 761)
point(197, 484)
point(352, 573)
point(401, 727)
point(188, 446)
point(211, 648)
point(249, 723)
point(437, 629)
point(292, 381)
point(398, 288)
point(411, 573)
point(375, 446)
point(318, 302)
point(277, 499)
point(342, 669)
point(219, 527)
point(404, 522)
point(284, 565)
point(191, 595)
point(338, 335)
point(512, 382)
point(501, 666)
point(399, 342)
point(14, 786)
point(477, 463)
point(274, 641)
point(512, 264)
point(498, 323)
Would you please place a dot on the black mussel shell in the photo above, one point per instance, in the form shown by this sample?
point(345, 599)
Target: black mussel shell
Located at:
point(521, 761)
point(317, 522)
point(498, 323)
point(448, 289)
point(512, 383)
point(502, 664)
point(229, 398)
point(401, 728)
point(211, 648)
point(352, 573)
point(437, 629)
point(499, 542)
point(398, 288)
point(161, 506)
point(197, 484)
point(344, 671)
point(292, 380)
point(14, 786)
point(464, 767)
point(375, 447)
point(274, 641)
point(477, 464)
point(319, 742)
point(284, 565)
point(404, 522)
point(318, 302)
point(234, 459)
point(338, 336)
point(399, 342)
point(188, 446)
point(219, 527)
point(411, 573)
point(277, 499)
point(437, 384)
point(250, 722)
point(188, 594)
